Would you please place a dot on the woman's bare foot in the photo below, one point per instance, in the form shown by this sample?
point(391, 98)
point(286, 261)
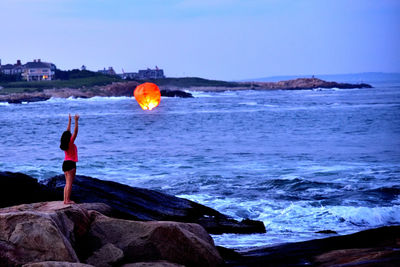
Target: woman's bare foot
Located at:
point(69, 202)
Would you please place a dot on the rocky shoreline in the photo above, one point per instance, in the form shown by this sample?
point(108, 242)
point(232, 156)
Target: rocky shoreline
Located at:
point(118, 225)
point(148, 205)
point(374, 247)
point(114, 89)
point(126, 89)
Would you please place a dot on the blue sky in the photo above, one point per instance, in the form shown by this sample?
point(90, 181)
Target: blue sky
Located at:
point(225, 39)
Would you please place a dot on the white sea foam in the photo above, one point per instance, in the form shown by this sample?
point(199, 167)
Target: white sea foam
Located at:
point(199, 94)
point(91, 99)
point(367, 216)
point(295, 221)
point(333, 89)
point(4, 104)
point(229, 93)
point(332, 216)
point(54, 100)
point(240, 241)
point(302, 222)
point(62, 100)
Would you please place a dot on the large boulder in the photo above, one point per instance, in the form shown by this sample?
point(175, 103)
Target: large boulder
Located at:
point(175, 93)
point(146, 205)
point(107, 256)
point(182, 243)
point(55, 234)
point(40, 232)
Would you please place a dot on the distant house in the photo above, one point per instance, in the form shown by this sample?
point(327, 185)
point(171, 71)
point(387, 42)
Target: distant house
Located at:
point(109, 71)
point(12, 69)
point(39, 71)
point(151, 73)
point(31, 71)
point(7, 69)
point(144, 74)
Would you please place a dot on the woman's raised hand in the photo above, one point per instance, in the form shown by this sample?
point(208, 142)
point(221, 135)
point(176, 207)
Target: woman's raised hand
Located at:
point(76, 117)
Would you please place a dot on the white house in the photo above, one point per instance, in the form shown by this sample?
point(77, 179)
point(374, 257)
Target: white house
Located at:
point(39, 71)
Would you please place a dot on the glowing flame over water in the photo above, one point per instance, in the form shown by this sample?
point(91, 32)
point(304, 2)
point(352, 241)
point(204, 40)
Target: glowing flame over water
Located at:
point(150, 105)
point(147, 95)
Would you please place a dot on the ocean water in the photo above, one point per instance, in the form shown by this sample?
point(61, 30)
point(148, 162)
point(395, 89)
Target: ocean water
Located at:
point(300, 161)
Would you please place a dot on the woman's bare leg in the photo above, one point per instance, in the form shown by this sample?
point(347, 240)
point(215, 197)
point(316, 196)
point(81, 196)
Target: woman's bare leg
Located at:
point(69, 179)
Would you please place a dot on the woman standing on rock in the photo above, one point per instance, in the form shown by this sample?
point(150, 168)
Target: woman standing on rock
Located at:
point(71, 158)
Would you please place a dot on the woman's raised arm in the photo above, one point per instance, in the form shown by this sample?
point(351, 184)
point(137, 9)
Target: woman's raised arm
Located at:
point(69, 123)
point(76, 128)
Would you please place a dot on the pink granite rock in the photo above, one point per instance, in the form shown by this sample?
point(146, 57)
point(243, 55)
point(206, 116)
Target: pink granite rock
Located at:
point(54, 234)
point(37, 232)
point(182, 243)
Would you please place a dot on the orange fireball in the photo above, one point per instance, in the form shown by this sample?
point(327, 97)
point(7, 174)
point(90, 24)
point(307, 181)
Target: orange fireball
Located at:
point(147, 95)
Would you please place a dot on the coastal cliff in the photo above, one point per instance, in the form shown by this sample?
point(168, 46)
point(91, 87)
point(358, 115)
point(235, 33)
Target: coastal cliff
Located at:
point(172, 88)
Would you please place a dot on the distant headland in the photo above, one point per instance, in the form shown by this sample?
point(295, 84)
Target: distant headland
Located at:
point(17, 85)
point(171, 87)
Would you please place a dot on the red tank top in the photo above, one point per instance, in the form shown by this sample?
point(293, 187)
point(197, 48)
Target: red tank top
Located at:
point(72, 152)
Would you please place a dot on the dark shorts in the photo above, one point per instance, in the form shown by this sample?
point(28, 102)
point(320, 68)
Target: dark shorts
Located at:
point(68, 165)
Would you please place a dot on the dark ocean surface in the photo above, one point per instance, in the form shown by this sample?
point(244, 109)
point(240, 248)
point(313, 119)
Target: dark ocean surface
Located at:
point(300, 161)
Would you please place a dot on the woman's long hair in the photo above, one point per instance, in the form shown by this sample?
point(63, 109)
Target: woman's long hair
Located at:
point(65, 138)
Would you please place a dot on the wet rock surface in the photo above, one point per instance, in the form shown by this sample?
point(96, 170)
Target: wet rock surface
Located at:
point(143, 204)
point(175, 93)
point(124, 202)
